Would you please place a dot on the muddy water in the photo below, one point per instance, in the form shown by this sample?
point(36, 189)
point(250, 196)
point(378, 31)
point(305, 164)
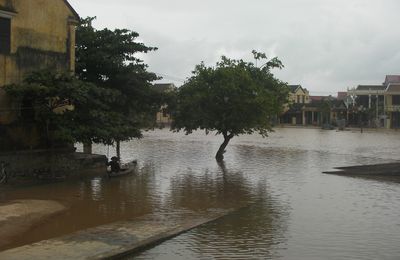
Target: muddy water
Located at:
point(290, 210)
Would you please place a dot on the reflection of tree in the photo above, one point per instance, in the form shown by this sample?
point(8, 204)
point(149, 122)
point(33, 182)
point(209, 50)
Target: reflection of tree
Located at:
point(127, 196)
point(249, 233)
point(209, 190)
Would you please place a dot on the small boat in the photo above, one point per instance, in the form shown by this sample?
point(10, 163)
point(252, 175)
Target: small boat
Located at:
point(126, 169)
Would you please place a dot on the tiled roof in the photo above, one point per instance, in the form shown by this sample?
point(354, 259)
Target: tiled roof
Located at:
point(392, 79)
point(162, 87)
point(370, 87)
point(393, 88)
point(341, 95)
point(293, 88)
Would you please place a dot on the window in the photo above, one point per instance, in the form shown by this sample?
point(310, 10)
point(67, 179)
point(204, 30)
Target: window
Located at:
point(5, 35)
point(395, 100)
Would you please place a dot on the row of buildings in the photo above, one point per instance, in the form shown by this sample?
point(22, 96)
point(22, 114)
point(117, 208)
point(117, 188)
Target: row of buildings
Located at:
point(364, 105)
point(40, 34)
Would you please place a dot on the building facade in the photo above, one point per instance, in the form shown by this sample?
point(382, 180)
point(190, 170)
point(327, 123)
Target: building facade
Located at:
point(163, 117)
point(376, 105)
point(304, 109)
point(34, 35)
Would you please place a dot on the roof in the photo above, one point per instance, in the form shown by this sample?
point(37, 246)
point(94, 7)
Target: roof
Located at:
point(76, 15)
point(391, 79)
point(370, 87)
point(293, 88)
point(393, 88)
point(341, 95)
point(163, 87)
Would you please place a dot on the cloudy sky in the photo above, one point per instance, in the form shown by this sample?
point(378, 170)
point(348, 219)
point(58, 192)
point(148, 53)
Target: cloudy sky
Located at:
point(325, 45)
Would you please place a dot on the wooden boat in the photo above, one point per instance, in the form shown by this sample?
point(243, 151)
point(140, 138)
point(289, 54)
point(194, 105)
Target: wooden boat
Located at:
point(126, 169)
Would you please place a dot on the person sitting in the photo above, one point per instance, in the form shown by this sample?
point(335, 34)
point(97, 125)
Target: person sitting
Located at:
point(114, 163)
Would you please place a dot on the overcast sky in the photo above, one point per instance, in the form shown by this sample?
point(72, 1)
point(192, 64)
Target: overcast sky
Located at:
point(325, 45)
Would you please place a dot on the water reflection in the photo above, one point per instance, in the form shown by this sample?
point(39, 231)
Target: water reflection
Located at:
point(90, 202)
point(216, 188)
point(288, 208)
point(252, 232)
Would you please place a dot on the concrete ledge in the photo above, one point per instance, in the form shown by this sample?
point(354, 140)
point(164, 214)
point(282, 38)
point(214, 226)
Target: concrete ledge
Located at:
point(385, 169)
point(114, 240)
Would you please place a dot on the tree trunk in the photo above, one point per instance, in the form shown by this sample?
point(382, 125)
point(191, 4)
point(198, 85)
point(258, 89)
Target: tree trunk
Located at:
point(220, 154)
point(87, 148)
point(118, 149)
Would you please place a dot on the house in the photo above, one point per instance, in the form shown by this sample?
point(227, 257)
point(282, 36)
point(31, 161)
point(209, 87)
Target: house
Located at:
point(292, 112)
point(324, 110)
point(34, 35)
point(304, 109)
point(377, 105)
point(163, 117)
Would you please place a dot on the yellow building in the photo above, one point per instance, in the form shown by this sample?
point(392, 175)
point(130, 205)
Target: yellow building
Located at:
point(298, 95)
point(377, 105)
point(34, 35)
point(292, 112)
point(163, 117)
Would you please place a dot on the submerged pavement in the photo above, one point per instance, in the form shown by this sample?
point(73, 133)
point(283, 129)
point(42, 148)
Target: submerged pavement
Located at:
point(18, 216)
point(117, 239)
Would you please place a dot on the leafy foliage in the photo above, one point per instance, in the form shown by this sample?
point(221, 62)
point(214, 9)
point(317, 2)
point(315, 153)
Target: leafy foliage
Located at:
point(234, 97)
point(109, 59)
point(112, 99)
point(43, 92)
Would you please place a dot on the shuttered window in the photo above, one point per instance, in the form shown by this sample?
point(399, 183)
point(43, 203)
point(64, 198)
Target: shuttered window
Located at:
point(5, 35)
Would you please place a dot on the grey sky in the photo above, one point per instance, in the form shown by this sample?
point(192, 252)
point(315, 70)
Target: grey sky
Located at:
point(325, 45)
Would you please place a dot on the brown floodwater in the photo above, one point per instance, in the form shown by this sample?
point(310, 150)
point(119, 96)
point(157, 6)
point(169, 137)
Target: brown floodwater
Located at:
point(291, 210)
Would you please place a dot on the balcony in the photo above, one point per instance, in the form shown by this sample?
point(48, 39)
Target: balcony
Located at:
point(394, 108)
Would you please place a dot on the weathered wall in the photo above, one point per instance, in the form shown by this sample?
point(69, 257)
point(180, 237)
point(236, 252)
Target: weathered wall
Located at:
point(50, 164)
point(42, 37)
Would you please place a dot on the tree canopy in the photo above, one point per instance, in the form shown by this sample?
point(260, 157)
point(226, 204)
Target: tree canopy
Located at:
point(233, 98)
point(112, 94)
point(50, 101)
point(109, 59)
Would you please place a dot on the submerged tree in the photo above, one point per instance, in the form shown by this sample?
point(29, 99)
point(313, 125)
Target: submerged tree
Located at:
point(109, 59)
point(233, 98)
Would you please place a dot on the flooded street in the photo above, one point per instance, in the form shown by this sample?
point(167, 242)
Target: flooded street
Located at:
point(288, 208)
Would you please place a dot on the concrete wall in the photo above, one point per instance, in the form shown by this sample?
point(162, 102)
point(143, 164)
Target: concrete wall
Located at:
point(42, 37)
point(50, 165)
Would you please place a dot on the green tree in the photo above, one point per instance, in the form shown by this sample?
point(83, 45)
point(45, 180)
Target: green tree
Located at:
point(233, 98)
point(52, 103)
point(109, 59)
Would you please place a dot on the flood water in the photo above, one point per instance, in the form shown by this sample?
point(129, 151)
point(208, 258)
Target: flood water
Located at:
point(289, 209)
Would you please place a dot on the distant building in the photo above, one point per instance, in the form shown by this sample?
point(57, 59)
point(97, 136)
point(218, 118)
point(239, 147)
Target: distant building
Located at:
point(376, 105)
point(304, 109)
point(163, 117)
point(34, 35)
point(298, 96)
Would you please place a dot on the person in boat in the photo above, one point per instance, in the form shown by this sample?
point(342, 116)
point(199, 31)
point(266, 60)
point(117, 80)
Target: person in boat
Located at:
point(115, 164)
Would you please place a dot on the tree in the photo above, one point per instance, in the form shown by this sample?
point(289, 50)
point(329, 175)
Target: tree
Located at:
point(233, 98)
point(109, 59)
point(51, 102)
